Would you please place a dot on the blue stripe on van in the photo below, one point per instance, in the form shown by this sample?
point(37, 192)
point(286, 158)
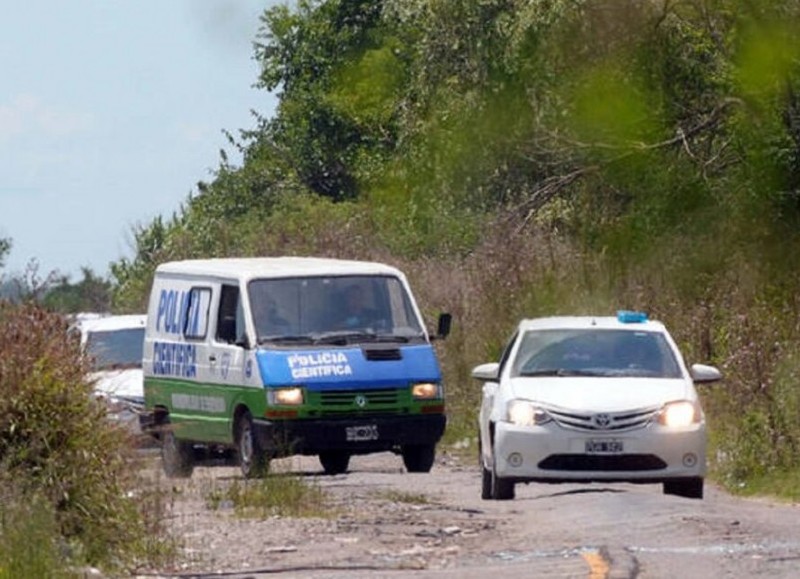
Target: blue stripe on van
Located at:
point(345, 368)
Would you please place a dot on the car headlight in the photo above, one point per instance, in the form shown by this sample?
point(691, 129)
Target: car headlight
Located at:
point(426, 391)
point(679, 414)
point(526, 413)
point(285, 396)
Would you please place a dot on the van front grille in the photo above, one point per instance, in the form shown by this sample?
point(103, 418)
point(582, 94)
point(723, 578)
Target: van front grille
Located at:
point(360, 402)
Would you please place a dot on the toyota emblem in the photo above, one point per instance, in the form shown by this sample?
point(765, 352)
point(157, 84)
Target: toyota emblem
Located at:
point(602, 421)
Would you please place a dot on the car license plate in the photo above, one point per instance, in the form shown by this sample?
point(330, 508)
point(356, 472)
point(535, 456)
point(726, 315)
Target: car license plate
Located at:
point(362, 433)
point(604, 447)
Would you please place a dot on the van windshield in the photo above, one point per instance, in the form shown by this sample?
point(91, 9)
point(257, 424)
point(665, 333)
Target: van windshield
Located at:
point(333, 309)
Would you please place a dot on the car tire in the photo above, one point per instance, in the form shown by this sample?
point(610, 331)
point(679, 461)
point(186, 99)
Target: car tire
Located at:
point(334, 461)
point(500, 488)
point(486, 484)
point(253, 460)
point(177, 456)
point(419, 457)
point(691, 488)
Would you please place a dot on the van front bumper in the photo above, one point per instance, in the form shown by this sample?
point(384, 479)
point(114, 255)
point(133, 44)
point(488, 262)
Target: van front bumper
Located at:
point(354, 435)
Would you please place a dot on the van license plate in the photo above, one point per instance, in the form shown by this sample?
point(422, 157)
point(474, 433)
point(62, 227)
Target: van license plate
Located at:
point(604, 447)
point(362, 433)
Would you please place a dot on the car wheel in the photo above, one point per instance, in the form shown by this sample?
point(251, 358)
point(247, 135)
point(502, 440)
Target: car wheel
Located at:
point(500, 488)
point(486, 483)
point(334, 462)
point(419, 457)
point(177, 456)
point(691, 488)
point(253, 461)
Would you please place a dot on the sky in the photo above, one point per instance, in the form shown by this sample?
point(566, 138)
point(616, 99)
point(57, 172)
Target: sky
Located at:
point(111, 111)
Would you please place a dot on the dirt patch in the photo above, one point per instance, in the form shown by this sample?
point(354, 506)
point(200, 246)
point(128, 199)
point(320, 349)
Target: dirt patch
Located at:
point(377, 518)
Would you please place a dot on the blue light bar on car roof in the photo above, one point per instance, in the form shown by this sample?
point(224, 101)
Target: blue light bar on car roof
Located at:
point(630, 317)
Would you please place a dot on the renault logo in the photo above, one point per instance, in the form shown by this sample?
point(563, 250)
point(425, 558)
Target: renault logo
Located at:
point(361, 401)
point(602, 421)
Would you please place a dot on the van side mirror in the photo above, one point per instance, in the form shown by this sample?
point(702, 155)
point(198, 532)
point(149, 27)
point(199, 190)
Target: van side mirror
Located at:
point(243, 342)
point(443, 326)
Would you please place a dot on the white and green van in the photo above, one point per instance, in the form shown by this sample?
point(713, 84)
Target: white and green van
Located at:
point(264, 357)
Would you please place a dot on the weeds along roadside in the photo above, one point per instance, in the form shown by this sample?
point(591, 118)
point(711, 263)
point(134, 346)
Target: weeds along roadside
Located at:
point(68, 476)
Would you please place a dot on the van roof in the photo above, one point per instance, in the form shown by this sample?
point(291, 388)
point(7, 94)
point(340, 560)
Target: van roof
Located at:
point(246, 268)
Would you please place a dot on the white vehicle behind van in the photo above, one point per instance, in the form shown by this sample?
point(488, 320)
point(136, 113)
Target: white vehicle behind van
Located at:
point(114, 343)
point(271, 357)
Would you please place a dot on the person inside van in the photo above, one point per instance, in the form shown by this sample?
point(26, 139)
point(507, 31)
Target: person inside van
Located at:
point(268, 320)
point(355, 313)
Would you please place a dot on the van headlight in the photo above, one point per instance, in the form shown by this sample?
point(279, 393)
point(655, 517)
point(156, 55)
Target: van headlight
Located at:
point(526, 413)
point(426, 391)
point(679, 414)
point(285, 396)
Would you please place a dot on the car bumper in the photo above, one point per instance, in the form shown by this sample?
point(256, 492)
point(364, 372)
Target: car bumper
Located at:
point(551, 453)
point(357, 436)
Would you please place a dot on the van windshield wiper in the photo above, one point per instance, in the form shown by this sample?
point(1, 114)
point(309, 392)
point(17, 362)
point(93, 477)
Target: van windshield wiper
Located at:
point(286, 339)
point(345, 337)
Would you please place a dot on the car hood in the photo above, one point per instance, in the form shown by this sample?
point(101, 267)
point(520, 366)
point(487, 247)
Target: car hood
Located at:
point(127, 383)
point(602, 394)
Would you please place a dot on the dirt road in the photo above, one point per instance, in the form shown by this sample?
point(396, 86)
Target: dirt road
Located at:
point(389, 523)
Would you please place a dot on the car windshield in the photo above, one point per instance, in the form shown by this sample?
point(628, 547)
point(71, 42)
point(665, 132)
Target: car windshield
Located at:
point(115, 349)
point(595, 352)
point(333, 310)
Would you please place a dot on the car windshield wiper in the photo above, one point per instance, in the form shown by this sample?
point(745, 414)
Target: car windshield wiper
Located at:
point(117, 366)
point(561, 372)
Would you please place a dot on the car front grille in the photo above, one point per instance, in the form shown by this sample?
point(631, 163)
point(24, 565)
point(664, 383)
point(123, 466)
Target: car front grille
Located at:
point(603, 421)
point(602, 463)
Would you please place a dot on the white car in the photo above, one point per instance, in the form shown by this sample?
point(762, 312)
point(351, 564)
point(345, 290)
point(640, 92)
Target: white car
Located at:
point(115, 344)
point(583, 399)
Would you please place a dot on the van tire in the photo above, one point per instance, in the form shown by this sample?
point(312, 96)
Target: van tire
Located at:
point(419, 457)
point(334, 461)
point(253, 461)
point(177, 456)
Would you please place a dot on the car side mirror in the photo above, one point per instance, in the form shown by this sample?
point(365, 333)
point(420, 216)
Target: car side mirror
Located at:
point(443, 326)
point(701, 373)
point(486, 372)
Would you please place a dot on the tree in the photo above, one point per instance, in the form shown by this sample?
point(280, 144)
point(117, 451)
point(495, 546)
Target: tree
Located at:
point(5, 248)
point(91, 294)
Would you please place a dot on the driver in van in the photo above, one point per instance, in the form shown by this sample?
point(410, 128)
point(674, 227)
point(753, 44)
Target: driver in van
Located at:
point(355, 314)
point(269, 321)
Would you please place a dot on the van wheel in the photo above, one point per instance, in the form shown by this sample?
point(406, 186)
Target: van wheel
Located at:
point(334, 461)
point(418, 457)
point(253, 460)
point(177, 456)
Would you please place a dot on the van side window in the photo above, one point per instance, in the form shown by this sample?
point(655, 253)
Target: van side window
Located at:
point(195, 324)
point(230, 319)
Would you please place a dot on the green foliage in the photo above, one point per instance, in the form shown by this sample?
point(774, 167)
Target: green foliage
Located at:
point(91, 294)
point(28, 533)
point(57, 447)
point(275, 495)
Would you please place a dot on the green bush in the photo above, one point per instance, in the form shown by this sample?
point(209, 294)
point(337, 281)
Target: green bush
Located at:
point(57, 448)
